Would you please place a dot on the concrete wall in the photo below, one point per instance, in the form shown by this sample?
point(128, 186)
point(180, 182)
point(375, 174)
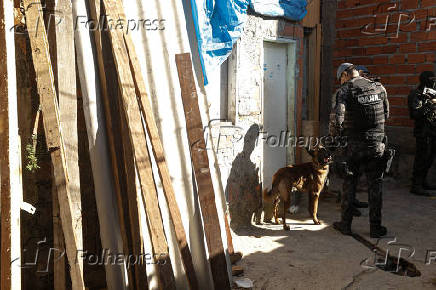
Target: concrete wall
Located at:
point(239, 149)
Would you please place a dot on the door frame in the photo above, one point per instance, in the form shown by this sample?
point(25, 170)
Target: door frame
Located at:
point(291, 89)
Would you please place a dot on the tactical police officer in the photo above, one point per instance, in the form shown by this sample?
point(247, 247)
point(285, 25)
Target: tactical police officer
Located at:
point(424, 132)
point(361, 111)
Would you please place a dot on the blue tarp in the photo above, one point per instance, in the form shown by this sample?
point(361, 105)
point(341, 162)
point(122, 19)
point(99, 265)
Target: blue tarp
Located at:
point(218, 24)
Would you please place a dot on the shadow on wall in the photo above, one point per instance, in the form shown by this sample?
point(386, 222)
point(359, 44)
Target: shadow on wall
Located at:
point(243, 190)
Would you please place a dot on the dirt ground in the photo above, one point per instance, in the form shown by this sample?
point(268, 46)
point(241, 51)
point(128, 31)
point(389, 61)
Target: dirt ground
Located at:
point(318, 257)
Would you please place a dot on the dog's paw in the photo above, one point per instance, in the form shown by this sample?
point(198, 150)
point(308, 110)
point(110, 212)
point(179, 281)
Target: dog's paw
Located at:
point(286, 227)
point(316, 222)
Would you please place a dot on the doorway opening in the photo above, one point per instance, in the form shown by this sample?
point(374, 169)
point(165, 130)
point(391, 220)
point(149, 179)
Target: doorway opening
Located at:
point(278, 106)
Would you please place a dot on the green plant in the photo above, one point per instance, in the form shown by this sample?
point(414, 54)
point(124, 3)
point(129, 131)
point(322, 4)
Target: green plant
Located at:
point(32, 161)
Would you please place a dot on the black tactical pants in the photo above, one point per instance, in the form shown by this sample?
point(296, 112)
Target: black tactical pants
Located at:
point(372, 165)
point(424, 157)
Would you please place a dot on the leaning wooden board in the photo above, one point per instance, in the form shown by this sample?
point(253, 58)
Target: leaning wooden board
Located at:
point(127, 230)
point(140, 151)
point(55, 144)
point(10, 155)
point(203, 177)
point(159, 156)
point(67, 94)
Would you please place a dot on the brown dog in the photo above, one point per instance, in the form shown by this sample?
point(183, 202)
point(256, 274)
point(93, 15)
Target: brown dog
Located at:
point(307, 177)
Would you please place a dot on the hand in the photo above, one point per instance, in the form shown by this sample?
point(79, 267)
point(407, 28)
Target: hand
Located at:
point(433, 101)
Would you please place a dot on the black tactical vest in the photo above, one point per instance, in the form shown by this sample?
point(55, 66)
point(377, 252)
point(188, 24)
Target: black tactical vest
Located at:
point(364, 112)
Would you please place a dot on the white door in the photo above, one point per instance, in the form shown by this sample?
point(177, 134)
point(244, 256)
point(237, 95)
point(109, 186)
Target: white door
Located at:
point(274, 109)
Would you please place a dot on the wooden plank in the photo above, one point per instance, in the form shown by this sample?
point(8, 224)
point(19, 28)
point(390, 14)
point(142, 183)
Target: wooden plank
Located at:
point(159, 156)
point(317, 74)
point(203, 177)
point(230, 247)
point(328, 46)
point(313, 14)
point(311, 50)
point(10, 155)
point(126, 230)
point(65, 74)
point(5, 189)
point(132, 203)
point(140, 151)
point(59, 274)
point(52, 127)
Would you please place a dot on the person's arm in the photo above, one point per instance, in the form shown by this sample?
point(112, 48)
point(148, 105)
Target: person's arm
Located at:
point(332, 116)
point(340, 106)
point(385, 103)
point(415, 105)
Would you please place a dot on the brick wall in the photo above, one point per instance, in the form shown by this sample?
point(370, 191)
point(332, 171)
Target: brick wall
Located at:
point(398, 52)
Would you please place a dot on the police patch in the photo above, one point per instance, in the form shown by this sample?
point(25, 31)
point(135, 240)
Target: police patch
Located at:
point(367, 99)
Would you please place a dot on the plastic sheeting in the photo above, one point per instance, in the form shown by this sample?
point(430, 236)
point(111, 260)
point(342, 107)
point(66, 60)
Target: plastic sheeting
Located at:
point(219, 23)
point(289, 9)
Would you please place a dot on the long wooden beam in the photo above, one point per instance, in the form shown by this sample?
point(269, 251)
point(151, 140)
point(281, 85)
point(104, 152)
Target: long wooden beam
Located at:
point(140, 150)
point(132, 203)
point(129, 233)
point(67, 94)
point(59, 274)
point(159, 156)
point(203, 177)
point(10, 155)
point(52, 128)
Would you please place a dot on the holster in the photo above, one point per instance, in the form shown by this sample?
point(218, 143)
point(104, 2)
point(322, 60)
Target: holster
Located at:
point(342, 169)
point(387, 158)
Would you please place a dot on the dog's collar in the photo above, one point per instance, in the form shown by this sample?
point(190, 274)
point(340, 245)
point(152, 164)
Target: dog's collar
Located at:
point(319, 167)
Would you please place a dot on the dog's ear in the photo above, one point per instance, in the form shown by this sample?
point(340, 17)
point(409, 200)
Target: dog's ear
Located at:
point(310, 151)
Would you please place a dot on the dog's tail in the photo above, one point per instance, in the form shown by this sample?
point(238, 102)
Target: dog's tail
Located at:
point(266, 193)
point(269, 193)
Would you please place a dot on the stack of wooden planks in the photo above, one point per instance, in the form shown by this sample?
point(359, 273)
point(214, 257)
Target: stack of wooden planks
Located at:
point(128, 113)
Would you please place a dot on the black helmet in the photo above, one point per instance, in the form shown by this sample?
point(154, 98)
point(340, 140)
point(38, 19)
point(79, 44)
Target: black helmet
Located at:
point(427, 79)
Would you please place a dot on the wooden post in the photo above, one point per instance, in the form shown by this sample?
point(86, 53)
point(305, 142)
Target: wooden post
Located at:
point(55, 142)
point(140, 151)
point(67, 93)
point(132, 203)
point(159, 156)
point(10, 155)
point(200, 162)
point(122, 198)
point(59, 274)
point(317, 78)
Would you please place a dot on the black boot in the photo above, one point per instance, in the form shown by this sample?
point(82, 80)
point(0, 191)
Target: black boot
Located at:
point(428, 186)
point(377, 231)
point(360, 204)
point(356, 212)
point(418, 187)
point(343, 227)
